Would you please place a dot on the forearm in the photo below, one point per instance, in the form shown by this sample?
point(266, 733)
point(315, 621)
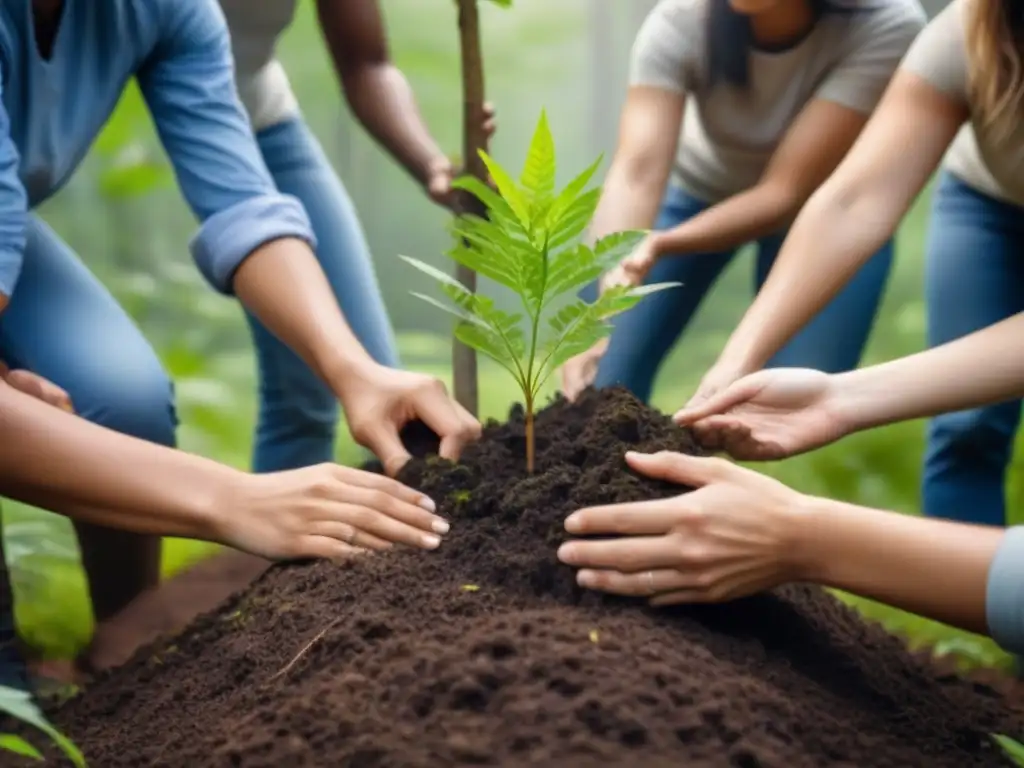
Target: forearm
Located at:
point(284, 286)
point(383, 102)
point(933, 568)
point(376, 90)
point(629, 200)
point(52, 459)
point(832, 238)
point(750, 215)
point(932, 382)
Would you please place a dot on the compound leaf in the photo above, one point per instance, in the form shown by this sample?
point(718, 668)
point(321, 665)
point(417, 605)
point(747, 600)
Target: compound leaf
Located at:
point(538, 177)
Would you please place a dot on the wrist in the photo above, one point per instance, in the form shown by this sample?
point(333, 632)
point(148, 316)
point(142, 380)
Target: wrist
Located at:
point(659, 243)
point(851, 404)
point(225, 508)
point(804, 533)
point(347, 368)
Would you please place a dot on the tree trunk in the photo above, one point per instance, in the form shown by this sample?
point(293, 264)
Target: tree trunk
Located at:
point(473, 140)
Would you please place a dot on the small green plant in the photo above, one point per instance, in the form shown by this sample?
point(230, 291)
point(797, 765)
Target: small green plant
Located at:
point(19, 705)
point(529, 242)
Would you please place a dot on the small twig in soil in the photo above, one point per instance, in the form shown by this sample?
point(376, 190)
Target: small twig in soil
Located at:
point(305, 649)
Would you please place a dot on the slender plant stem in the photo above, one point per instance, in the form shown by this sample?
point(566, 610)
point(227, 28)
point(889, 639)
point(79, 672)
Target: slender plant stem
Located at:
point(464, 360)
point(531, 444)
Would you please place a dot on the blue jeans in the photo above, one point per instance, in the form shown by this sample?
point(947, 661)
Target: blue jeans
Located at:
point(974, 278)
point(642, 337)
point(63, 324)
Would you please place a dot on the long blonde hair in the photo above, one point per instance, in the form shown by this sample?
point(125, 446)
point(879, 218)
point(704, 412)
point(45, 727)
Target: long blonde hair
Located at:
point(995, 50)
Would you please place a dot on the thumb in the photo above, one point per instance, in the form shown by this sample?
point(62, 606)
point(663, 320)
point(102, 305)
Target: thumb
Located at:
point(720, 402)
point(386, 445)
point(694, 471)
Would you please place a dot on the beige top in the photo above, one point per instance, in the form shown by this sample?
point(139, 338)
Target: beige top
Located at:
point(939, 55)
point(262, 83)
point(728, 136)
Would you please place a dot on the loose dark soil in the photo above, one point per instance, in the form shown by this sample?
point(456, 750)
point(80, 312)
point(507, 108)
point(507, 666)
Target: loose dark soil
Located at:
point(486, 653)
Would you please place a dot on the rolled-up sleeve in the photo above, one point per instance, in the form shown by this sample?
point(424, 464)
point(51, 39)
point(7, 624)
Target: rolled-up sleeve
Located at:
point(13, 209)
point(1004, 599)
point(188, 83)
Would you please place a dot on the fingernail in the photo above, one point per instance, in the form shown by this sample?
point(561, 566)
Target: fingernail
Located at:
point(440, 526)
point(566, 553)
point(427, 503)
point(586, 579)
point(572, 523)
point(431, 542)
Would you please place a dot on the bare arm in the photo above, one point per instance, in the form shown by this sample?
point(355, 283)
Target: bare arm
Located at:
point(932, 568)
point(811, 149)
point(310, 323)
point(929, 383)
point(648, 135)
point(850, 216)
point(61, 462)
point(375, 88)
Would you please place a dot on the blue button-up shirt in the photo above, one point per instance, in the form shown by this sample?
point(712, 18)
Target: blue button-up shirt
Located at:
point(179, 51)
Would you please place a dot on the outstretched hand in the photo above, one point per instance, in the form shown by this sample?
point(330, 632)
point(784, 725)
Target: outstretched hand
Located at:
point(768, 415)
point(379, 401)
point(731, 537)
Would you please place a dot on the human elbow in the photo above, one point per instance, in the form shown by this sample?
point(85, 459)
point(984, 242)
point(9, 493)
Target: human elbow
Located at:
point(229, 236)
point(641, 173)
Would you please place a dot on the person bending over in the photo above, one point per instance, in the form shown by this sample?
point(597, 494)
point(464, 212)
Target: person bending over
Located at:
point(737, 111)
point(63, 68)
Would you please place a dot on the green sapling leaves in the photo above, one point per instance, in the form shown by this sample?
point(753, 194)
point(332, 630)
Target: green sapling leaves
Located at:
point(530, 244)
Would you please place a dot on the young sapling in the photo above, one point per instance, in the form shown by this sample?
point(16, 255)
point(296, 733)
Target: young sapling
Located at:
point(529, 242)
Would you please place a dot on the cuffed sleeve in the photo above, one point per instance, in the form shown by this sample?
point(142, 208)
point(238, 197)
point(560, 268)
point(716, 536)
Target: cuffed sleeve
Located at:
point(13, 210)
point(189, 84)
point(1004, 599)
point(227, 237)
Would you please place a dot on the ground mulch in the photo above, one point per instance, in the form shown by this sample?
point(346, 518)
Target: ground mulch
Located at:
point(486, 653)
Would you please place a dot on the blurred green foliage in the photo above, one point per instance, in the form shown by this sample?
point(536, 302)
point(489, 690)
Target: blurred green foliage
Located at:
point(126, 219)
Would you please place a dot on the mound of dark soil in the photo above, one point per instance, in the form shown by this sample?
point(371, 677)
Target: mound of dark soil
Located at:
point(486, 653)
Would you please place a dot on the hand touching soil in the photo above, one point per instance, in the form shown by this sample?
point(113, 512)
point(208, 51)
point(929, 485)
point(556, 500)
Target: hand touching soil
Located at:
point(730, 538)
point(768, 415)
point(327, 511)
point(379, 402)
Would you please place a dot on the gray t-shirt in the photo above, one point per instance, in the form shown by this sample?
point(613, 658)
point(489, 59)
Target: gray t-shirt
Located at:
point(263, 87)
point(728, 135)
point(939, 56)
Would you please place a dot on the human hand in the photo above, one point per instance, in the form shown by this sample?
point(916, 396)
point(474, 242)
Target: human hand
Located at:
point(36, 386)
point(633, 270)
point(769, 415)
point(380, 401)
point(735, 535)
point(579, 372)
point(325, 511)
point(442, 171)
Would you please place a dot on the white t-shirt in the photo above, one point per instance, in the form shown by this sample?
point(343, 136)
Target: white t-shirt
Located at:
point(262, 83)
point(939, 56)
point(728, 136)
